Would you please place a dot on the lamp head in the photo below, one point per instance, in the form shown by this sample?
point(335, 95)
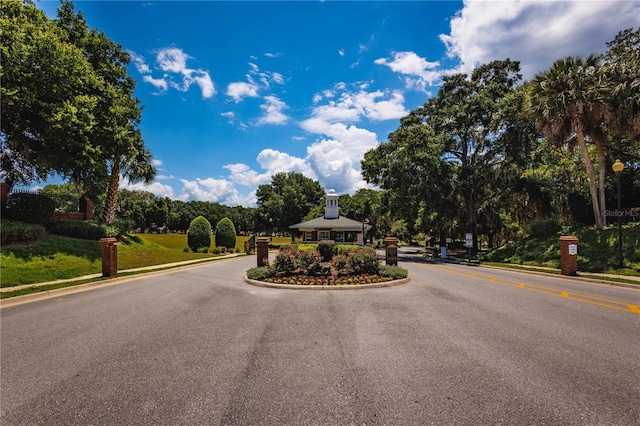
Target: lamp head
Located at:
point(618, 166)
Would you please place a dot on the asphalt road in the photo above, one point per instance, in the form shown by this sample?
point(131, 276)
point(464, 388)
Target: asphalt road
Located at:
point(455, 345)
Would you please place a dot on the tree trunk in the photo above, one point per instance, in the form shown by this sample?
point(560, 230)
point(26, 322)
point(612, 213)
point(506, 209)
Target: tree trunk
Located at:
point(592, 176)
point(602, 165)
point(112, 196)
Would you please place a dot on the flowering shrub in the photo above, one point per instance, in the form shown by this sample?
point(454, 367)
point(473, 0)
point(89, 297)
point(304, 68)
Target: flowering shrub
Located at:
point(358, 265)
point(362, 261)
point(286, 261)
point(309, 262)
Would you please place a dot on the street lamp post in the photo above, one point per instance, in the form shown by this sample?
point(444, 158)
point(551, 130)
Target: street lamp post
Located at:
point(617, 167)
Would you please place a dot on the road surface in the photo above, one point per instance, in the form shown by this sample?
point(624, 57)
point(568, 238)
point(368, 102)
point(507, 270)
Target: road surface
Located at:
point(456, 345)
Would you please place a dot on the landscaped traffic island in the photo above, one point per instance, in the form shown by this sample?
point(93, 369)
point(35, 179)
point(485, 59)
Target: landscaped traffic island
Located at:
point(326, 264)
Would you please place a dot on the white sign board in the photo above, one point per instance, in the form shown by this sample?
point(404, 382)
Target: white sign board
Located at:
point(573, 249)
point(448, 240)
point(468, 240)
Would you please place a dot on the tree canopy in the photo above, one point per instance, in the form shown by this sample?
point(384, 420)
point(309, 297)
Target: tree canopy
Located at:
point(67, 103)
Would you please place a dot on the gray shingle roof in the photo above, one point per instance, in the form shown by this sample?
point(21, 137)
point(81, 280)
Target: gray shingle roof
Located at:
point(340, 224)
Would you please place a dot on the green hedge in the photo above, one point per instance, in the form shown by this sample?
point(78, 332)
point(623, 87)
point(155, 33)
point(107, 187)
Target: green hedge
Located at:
point(12, 231)
point(30, 208)
point(84, 229)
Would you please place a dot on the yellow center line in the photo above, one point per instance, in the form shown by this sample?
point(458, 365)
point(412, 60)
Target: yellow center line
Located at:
point(584, 298)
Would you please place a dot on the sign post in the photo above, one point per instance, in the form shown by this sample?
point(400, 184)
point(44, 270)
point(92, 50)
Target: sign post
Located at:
point(468, 243)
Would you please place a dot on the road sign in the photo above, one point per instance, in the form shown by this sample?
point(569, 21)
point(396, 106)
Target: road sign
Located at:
point(468, 240)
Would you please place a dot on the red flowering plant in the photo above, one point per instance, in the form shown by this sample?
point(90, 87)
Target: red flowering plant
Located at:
point(286, 261)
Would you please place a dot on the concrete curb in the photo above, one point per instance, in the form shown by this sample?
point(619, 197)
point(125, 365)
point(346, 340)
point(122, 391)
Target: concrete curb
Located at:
point(327, 287)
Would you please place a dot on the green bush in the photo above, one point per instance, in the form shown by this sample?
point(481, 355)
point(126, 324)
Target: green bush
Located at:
point(84, 229)
point(542, 228)
point(309, 262)
point(393, 272)
point(286, 261)
point(199, 233)
point(345, 248)
point(260, 273)
point(30, 208)
point(325, 247)
point(12, 232)
point(364, 260)
point(226, 233)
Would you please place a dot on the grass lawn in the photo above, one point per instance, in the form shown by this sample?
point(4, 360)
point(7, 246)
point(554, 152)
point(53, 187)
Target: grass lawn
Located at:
point(597, 251)
point(55, 257)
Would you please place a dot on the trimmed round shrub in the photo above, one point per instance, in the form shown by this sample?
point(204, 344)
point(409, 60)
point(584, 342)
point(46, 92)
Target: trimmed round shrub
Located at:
point(325, 247)
point(30, 208)
point(199, 233)
point(225, 234)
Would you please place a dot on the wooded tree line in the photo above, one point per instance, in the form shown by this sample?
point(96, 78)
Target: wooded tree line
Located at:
point(490, 153)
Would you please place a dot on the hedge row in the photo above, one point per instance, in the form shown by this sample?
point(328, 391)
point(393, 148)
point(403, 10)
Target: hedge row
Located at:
point(19, 232)
point(84, 229)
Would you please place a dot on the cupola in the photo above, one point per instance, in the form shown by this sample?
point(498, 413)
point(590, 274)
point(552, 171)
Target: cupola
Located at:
point(331, 209)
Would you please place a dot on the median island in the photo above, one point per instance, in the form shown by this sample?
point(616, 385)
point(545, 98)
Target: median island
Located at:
point(326, 264)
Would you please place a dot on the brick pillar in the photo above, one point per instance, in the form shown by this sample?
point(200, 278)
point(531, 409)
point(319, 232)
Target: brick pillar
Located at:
point(262, 250)
point(109, 250)
point(86, 207)
point(568, 255)
point(391, 251)
point(4, 193)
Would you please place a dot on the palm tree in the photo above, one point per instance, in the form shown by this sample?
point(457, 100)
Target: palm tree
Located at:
point(568, 103)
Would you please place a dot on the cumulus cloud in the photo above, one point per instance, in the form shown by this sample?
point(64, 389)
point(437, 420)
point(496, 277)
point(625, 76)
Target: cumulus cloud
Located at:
point(156, 188)
point(172, 61)
point(352, 106)
point(213, 190)
point(256, 81)
point(419, 73)
point(535, 32)
point(273, 111)
point(240, 90)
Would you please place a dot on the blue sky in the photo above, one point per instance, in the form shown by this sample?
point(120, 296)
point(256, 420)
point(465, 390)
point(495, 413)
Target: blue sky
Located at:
point(236, 91)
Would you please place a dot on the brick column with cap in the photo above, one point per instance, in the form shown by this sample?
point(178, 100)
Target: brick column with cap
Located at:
point(109, 250)
point(4, 193)
point(391, 251)
point(262, 251)
point(568, 255)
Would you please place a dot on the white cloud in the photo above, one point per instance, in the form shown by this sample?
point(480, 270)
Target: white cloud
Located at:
point(159, 83)
point(273, 114)
point(213, 190)
point(156, 188)
point(240, 90)
point(419, 72)
point(173, 61)
point(352, 107)
point(156, 162)
point(535, 32)
point(139, 63)
point(256, 81)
